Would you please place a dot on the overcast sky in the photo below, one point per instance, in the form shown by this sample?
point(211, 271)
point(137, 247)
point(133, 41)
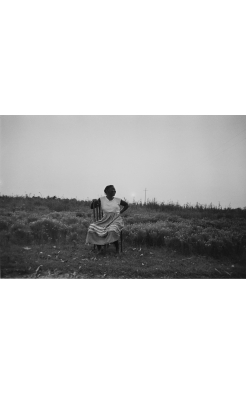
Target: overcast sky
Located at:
point(177, 158)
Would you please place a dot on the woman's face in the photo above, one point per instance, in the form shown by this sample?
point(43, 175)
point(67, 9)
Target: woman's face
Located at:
point(111, 191)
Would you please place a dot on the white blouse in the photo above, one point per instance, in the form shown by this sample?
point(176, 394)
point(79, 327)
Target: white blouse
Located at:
point(110, 206)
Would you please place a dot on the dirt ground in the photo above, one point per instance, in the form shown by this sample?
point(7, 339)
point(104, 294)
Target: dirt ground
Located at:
point(79, 261)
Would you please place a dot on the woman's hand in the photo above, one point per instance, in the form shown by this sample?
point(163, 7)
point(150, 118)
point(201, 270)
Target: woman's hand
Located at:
point(124, 209)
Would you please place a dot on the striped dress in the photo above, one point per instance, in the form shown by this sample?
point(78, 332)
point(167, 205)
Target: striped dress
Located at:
point(97, 234)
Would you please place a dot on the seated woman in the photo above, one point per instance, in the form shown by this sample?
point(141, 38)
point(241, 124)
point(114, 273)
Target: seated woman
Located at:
point(107, 230)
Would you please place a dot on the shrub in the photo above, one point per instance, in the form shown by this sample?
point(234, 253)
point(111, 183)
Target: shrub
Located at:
point(38, 203)
point(20, 233)
point(4, 237)
point(4, 224)
point(32, 218)
point(70, 220)
point(82, 214)
point(49, 230)
point(55, 215)
point(56, 205)
point(85, 223)
point(73, 236)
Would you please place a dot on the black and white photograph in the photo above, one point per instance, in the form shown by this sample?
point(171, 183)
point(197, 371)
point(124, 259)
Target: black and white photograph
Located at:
point(123, 197)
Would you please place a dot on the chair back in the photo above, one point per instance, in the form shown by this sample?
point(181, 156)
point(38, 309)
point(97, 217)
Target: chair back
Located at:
point(97, 212)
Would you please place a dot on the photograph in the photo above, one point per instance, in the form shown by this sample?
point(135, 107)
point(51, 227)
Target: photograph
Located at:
point(123, 197)
point(122, 166)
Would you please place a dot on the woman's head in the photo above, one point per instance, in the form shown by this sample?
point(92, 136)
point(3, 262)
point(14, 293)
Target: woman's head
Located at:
point(110, 190)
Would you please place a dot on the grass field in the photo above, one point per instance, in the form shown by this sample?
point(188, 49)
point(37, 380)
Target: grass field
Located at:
point(45, 238)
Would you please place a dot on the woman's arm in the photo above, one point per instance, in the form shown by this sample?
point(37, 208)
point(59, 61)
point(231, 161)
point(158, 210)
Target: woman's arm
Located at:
point(125, 206)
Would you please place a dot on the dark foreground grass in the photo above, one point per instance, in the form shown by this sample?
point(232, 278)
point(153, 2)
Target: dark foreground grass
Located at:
point(79, 261)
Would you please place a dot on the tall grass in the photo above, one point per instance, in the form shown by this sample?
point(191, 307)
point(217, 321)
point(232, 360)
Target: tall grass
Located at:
point(204, 237)
point(28, 203)
point(198, 229)
point(192, 211)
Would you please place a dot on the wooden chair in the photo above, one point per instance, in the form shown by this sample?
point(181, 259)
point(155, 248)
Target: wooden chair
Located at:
point(97, 215)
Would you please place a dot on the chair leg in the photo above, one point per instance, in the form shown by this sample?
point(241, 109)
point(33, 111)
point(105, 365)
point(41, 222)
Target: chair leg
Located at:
point(121, 241)
point(116, 243)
